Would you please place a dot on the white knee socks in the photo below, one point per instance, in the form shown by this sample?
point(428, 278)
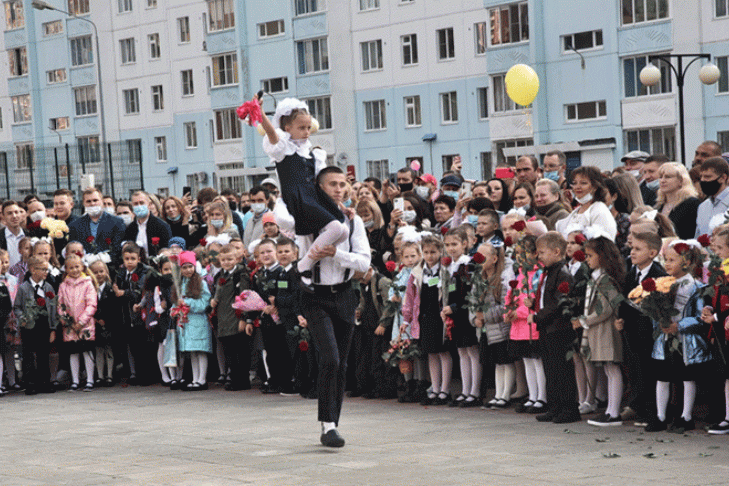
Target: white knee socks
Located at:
point(332, 234)
point(663, 391)
point(465, 371)
point(536, 380)
point(164, 371)
point(446, 370)
point(435, 372)
point(689, 395)
point(615, 388)
point(202, 372)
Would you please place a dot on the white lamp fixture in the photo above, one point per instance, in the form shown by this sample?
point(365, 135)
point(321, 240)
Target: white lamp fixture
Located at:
point(650, 75)
point(709, 74)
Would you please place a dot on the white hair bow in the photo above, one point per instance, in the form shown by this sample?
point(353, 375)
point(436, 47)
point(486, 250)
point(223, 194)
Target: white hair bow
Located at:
point(286, 107)
point(44, 239)
point(650, 215)
point(518, 211)
point(90, 258)
point(592, 232)
point(222, 239)
point(410, 234)
point(691, 242)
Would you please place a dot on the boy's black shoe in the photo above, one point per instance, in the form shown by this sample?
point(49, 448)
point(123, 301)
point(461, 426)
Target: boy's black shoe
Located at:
point(680, 425)
point(332, 439)
point(565, 417)
point(656, 425)
point(547, 416)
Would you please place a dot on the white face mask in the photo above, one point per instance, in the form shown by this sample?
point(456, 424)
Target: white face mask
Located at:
point(422, 191)
point(127, 218)
point(584, 199)
point(409, 216)
point(94, 211)
point(635, 173)
point(258, 208)
point(110, 210)
point(37, 216)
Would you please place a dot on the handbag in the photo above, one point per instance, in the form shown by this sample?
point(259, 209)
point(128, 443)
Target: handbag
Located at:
point(170, 346)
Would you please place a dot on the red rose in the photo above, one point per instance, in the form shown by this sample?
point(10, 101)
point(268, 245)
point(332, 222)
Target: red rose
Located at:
point(513, 283)
point(649, 285)
point(107, 241)
point(50, 295)
point(238, 313)
point(508, 241)
point(135, 277)
point(303, 346)
point(155, 240)
point(221, 281)
point(443, 230)
point(579, 256)
point(478, 258)
point(704, 240)
point(445, 261)
point(252, 265)
point(203, 242)
point(34, 225)
point(519, 226)
point(391, 266)
point(256, 323)
point(580, 239)
point(41, 301)
point(90, 239)
point(174, 258)
point(564, 288)
point(680, 248)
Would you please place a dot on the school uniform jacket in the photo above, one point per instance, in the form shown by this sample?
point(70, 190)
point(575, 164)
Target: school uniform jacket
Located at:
point(266, 285)
point(228, 287)
point(551, 317)
point(26, 292)
point(109, 235)
point(156, 228)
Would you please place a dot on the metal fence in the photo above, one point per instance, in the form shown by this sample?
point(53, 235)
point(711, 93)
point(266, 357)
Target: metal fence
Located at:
point(43, 170)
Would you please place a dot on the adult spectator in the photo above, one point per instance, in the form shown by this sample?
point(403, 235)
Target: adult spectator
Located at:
point(445, 207)
point(704, 151)
point(714, 181)
point(177, 217)
point(207, 195)
point(651, 182)
point(147, 231)
point(36, 211)
point(270, 184)
point(374, 183)
point(524, 198)
point(633, 165)
point(62, 211)
point(13, 233)
point(450, 185)
point(425, 186)
point(155, 206)
point(374, 225)
point(547, 202)
point(527, 169)
point(406, 179)
point(617, 201)
point(125, 211)
point(329, 309)
point(590, 192)
point(480, 189)
point(259, 206)
point(366, 193)
point(629, 189)
point(220, 219)
point(555, 166)
point(109, 205)
point(677, 199)
point(97, 230)
point(498, 191)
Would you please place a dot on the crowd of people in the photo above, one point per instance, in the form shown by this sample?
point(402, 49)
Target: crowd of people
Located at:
point(534, 284)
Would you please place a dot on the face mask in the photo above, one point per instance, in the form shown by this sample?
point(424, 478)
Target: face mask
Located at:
point(245, 209)
point(258, 208)
point(217, 223)
point(473, 219)
point(94, 211)
point(347, 203)
point(127, 218)
point(141, 211)
point(406, 187)
point(110, 210)
point(525, 208)
point(552, 176)
point(653, 185)
point(232, 205)
point(37, 216)
point(175, 218)
point(634, 173)
point(369, 224)
point(584, 199)
point(409, 216)
point(610, 207)
point(453, 194)
point(710, 188)
point(422, 191)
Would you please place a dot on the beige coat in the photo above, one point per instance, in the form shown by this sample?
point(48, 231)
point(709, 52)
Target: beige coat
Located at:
point(603, 339)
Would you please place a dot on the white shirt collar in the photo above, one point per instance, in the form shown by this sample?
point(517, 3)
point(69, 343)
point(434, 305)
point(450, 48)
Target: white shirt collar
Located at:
point(9, 234)
point(453, 267)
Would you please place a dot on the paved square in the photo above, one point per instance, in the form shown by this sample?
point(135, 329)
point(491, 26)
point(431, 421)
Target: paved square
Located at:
point(154, 436)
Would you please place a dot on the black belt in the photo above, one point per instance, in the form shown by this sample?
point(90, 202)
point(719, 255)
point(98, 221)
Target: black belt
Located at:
point(332, 289)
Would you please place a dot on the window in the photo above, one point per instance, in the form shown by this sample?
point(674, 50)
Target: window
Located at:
point(369, 4)
point(479, 30)
point(128, 55)
point(14, 15)
point(125, 6)
point(721, 8)
point(227, 126)
point(271, 29)
point(225, 70)
point(275, 85)
point(25, 155)
point(85, 100)
point(61, 123)
point(582, 40)
point(722, 138)
point(449, 107)
point(321, 109)
point(375, 118)
point(446, 44)
point(483, 103)
point(487, 171)
point(89, 150)
point(22, 109)
point(18, 61)
point(160, 144)
point(447, 161)
point(653, 141)
point(312, 56)
point(409, 49)
point(235, 183)
point(412, 111)
point(590, 110)
point(190, 135)
point(637, 11)
point(56, 76)
point(498, 149)
point(158, 101)
point(509, 23)
point(631, 73)
point(371, 55)
point(379, 169)
point(188, 88)
point(502, 102)
point(723, 65)
point(183, 25)
point(82, 52)
point(151, 3)
point(78, 7)
point(131, 101)
point(52, 28)
point(154, 47)
point(303, 7)
point(134, 149)
point(222, 14)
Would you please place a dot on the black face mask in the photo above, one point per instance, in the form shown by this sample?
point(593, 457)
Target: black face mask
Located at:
point(710, 188)
point(406, 187)
point(233, 206)
point(245, 209)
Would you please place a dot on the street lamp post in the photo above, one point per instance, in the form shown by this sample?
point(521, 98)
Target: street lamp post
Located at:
point(651, 75)
point(41, 5)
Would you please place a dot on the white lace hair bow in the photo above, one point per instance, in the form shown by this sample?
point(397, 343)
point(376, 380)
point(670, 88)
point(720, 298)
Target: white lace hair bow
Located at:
point(518, 211)
point(691, 242)
point(649, 215)
point(592, 232)
point(90, 258)
point(410, 234)
point(222, 239)
point(286, 107)
point(44, 239)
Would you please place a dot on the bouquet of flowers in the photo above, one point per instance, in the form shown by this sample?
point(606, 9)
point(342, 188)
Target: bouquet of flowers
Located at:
point(475, 301)
point(56, 228)
point(401, 353)
point(181, 312)
point(656, 299)
point(304, 337)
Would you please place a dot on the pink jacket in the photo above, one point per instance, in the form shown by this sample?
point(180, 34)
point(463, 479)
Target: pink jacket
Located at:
point(520, 330)
point(80, 298)
point(411, 303)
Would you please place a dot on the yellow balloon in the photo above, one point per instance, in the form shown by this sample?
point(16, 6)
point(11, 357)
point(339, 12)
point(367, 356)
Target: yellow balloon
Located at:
point(522, 84)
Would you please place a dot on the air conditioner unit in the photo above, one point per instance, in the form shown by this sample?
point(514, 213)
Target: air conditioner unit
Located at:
point(201, 177)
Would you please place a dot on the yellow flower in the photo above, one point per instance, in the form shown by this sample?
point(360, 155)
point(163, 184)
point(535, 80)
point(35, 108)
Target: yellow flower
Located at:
point(637, 294)
point(725, 266)
point(663, 284)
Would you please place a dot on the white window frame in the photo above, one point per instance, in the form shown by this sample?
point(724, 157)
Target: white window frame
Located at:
point(502, 103)
point(413, 113)
point(151, 3)
point(482, 95)
point(267, 85)
point(54, 27)
point(664, 86)
point(158, 98)
point(125, 6)
point(79, 7)
point(722, 86)
point(308, 7)
point(644, 5)
point(155, 48)
point(449, 108)
point(499, 145)
point(375, 113)
point(160, 145)
point(85, 100)
point(312, 56)
point(89, 148)
point(22, 108)
point(190, 129)
point(445, 40)
point(378, 168)
point(18, 61)
point(187, 82)
point(128, 51)
point(666, 134)
point(365, 5)
point(221, 15)
point(721, 9)
point(496, 18)
point(227, 125)
point(25, 155)
point(183, 30)
point(225, 70)
point(596, 36)
point(480, 38)
point(321, 109)
point(60, 123)
point(131, 101)
point(55, 76)
point(409, 49)
point(572, 111)
point(371, 52)
point(273, 28)
point(82, 51)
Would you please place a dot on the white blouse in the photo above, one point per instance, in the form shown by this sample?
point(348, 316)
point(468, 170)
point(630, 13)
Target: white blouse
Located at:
point(597, 214)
